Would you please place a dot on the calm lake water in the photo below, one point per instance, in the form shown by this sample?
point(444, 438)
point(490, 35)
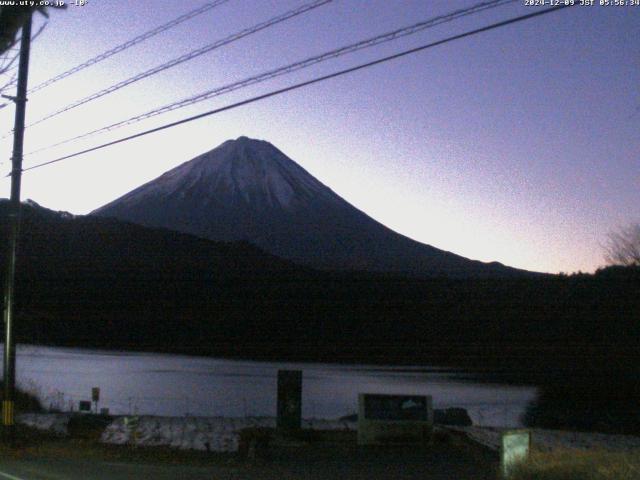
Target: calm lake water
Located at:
point(175, 385)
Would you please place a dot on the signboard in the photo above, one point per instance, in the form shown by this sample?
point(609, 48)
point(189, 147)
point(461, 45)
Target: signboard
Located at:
point(84, 406)
point(514, 448)
point(399, 419)
point(131, 422)
point(289, 399)
point(395, 407)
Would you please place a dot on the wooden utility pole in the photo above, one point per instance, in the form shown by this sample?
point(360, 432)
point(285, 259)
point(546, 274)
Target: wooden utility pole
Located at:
point(8, 400)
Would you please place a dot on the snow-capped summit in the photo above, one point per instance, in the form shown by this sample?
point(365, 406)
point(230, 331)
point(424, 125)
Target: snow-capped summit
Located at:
point(247, 171)
point(249, 190)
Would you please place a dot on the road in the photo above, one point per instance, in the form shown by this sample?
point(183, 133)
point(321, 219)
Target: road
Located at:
point(437, 463)
point(64, 469)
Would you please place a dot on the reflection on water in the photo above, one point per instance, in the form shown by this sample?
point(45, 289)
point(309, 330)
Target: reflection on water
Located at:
point(161, 384)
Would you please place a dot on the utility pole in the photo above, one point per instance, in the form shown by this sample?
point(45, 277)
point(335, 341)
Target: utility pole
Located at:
point(8, 399)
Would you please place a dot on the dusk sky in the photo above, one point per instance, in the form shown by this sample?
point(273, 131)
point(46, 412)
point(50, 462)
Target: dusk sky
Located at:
point(520, 145)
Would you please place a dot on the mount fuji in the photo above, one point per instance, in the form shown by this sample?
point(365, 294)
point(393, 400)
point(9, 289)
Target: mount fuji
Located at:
point(249, 190)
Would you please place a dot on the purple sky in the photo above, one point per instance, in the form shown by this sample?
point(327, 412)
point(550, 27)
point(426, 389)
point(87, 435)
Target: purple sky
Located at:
point(519, 145)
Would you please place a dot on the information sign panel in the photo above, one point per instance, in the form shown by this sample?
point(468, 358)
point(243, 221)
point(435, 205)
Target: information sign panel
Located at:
point(400, 419)
point(395, 407)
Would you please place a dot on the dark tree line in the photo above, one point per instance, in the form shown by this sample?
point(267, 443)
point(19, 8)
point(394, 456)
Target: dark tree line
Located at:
point(97, 282)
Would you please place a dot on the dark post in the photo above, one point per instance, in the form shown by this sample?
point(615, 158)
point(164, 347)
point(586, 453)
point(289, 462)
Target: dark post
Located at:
point(14, 230)
point(289, 400)
point(95, 397)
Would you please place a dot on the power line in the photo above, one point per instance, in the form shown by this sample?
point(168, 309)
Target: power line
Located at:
point(130, 43)
point(8, 63)
point(306, 83)
point(262, 77)
point(188, 56)
point(9, 83)
point(7, 66)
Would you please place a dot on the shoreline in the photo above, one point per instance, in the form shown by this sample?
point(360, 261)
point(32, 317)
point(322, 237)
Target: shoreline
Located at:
point(222, 434)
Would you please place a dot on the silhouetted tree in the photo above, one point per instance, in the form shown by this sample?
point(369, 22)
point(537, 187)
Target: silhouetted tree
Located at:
point(623, 246)
point(11, 20)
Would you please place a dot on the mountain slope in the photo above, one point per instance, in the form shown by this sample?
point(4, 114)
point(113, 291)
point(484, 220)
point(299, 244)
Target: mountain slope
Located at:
point(91, 281)
point(66, 242)
point(249, 190)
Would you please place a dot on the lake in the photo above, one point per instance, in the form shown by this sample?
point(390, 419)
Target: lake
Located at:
point(176, 385)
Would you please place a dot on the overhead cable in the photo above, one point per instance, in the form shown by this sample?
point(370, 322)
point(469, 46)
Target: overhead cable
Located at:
point(130, 43)
point(304, 84)
point(262, 77)
point(9, 63)
point(188, 56)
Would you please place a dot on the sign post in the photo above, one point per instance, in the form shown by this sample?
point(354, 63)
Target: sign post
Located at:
point(289, 400)
point(95, 397)
point(132, 424)
point(514, 448)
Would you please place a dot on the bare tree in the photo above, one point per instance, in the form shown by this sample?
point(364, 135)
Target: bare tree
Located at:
point(11, 20)
point(623, 246)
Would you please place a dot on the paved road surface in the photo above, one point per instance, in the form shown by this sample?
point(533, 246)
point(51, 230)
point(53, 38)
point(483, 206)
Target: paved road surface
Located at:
point(437, 463)
point(62, 469)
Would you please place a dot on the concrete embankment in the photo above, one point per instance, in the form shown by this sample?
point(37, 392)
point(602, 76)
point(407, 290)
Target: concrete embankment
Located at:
point(222, 434)
point(215, 434)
